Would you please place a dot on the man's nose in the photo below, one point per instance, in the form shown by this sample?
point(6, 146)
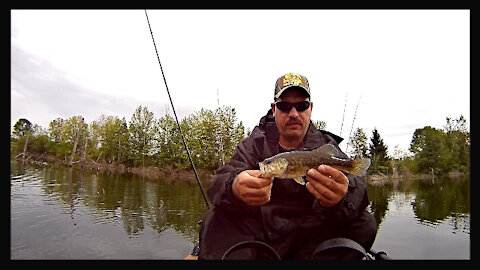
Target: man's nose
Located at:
point(293, 113)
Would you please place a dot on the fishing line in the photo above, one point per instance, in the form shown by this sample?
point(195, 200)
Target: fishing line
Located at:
point(174, 113)
point(354, 117)
point(343, 117)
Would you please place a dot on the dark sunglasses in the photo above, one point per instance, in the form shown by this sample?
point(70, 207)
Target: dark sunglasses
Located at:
point(287, 106)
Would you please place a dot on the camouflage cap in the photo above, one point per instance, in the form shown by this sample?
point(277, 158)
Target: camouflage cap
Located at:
point(290, 80)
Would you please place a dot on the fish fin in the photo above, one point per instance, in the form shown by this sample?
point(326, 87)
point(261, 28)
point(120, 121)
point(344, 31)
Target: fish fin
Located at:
point(360, 166)
point(328, 149)
point(300, 180)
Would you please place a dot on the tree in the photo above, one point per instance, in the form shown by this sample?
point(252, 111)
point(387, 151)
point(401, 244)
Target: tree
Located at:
point(359, 143)
point(39, 140)
point(459, 124)
point(141, 135)
point(66, 135)
point(429, 147)
point(321, 125)
point(458, 142)
point(211, 137)
point(57, 144)
point(231, 133)
point(22, 129)
point(77, 123)
point(167, 141)
point(111, 134)
point(378, 154)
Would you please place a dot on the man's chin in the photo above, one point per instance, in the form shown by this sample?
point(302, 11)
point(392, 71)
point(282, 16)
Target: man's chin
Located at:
point(294, 134)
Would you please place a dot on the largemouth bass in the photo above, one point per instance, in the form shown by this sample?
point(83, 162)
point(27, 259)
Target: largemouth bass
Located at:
point(295, 164)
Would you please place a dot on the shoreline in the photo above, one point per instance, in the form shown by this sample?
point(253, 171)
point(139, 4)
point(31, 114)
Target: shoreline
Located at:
point(379, 179)
point(188, 175)
point(149, 172)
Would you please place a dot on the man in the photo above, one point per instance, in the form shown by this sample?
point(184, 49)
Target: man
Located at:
point(281, 214)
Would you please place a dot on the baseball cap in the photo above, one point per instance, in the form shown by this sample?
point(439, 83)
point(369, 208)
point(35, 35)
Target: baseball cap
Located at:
point(290, 80)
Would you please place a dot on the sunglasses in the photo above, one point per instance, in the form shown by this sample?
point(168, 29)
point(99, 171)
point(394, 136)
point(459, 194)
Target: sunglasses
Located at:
point(287, 106)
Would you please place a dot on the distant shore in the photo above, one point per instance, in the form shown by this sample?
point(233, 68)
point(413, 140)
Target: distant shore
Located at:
point(150, 172)
point(380, 178)
point(187, 175)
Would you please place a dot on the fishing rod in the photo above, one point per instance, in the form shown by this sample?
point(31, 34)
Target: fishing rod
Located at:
point(343, 117)
point(354, 117)
point(175, 114)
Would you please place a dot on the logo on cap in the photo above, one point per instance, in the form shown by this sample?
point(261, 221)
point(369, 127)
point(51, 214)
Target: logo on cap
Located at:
point(291, 79)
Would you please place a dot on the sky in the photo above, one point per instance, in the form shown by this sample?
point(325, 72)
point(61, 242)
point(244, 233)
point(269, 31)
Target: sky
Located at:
point(404, 69)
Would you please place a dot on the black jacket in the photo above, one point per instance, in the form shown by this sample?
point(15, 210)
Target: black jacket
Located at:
point(291, 204)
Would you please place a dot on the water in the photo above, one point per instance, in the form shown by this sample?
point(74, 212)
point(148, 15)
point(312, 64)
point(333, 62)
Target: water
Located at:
point(423, 218)
point(65, 213)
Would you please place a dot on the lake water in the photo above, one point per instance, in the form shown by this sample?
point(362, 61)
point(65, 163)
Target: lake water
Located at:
point(65, 213)
point(423, 218)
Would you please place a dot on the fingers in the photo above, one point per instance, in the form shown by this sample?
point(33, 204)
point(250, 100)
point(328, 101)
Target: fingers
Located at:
point(255, 173)
point(253, 179)
point(251, 189)
point(334, 174)
point(322, 196)
point(257, 197)
point(327, 184)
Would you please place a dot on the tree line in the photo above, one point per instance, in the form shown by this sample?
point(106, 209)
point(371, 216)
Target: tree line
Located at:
point(432, 150)
point(211, 136)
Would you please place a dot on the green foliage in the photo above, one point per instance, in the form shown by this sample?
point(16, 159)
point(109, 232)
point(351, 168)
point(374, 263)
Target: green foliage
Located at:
point(141, 135)
point(319, 124)
point(111, 138)
point(359, 143)
point(168, 142)
point(444, 150)
point(63, 134)
point(21, 128)
point(212, 137)
point(378, 154)
point(428, 145)
point(458, 142)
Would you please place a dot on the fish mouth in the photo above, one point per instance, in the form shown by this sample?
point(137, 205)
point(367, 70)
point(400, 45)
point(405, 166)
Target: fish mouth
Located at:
point(273, 169)
point(264, 169)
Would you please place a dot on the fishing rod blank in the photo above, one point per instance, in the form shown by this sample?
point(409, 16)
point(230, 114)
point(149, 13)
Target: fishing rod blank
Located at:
point(174, 113)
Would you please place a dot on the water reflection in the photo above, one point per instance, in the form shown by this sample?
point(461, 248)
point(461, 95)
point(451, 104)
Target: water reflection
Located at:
point(422, 218)
point(91, 199)
point(107, 215)
point(432, 200)
point(134, 201)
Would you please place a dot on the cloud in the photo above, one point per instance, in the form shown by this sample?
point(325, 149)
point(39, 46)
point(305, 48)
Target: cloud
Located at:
point(41, 92)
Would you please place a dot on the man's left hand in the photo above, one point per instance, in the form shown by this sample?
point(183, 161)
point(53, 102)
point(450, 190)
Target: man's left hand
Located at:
point(327, 184)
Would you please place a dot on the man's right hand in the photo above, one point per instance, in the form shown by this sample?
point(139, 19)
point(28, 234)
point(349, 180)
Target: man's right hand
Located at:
point(251, 189)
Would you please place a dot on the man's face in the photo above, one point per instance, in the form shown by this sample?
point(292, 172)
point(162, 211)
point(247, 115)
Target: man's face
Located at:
point(292, 125)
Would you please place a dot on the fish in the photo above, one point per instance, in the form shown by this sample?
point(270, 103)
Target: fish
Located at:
point(295, 164)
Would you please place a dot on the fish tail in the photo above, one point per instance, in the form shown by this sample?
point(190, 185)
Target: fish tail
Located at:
point(360, 166)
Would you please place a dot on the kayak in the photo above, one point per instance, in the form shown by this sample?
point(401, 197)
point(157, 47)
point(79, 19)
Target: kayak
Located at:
point(191, 257)
point(331, 243)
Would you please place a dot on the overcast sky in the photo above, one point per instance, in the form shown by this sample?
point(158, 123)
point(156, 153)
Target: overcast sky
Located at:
point(408, 68)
